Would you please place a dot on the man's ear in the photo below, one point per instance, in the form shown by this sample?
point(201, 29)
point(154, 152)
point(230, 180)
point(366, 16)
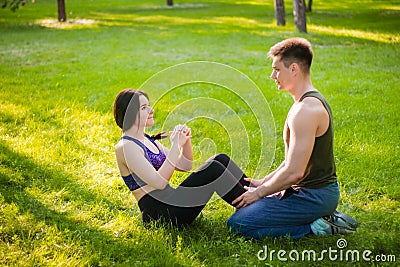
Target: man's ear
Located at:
point(293, 67)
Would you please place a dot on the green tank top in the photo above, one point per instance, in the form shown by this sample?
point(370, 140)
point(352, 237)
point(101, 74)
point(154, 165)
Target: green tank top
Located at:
point(321, 169)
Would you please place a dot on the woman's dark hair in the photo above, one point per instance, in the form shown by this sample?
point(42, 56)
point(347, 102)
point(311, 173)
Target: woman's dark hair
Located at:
point(126, 107)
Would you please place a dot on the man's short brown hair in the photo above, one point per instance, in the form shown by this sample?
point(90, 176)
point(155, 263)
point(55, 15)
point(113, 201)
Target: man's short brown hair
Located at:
point(293, 50)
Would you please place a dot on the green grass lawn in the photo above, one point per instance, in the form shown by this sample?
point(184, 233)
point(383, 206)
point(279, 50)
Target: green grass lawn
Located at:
point(62, 202)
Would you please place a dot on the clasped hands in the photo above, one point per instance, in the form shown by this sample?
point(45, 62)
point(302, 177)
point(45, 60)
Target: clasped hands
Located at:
point(180, 135)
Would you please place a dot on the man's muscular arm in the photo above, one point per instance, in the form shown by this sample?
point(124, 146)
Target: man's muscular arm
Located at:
point(304, 123)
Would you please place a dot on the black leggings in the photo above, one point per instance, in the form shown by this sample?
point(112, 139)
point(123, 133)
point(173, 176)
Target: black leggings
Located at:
point(182, 205)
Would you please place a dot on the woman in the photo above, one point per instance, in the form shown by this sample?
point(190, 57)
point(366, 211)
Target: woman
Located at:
point(147, 166)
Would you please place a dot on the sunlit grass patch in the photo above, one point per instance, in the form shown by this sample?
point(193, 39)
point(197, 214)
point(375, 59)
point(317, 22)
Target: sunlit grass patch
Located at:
point(371, 36)
point(69, 24)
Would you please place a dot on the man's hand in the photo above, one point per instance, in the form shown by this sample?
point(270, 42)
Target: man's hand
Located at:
point(246, 198)
point(253, 182)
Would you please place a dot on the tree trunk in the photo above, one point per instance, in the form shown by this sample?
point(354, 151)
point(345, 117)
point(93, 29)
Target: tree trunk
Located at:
point(299, 13)
point(170, 2)
point(62, 16)
point(280, 12)
point(309, 6)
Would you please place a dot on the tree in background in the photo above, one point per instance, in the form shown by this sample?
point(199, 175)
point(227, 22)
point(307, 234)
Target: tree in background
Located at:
point(309, 6)
point(62, 16)
point(280, 12)
point(299, 9)
point(14, 4)
point(299, 13)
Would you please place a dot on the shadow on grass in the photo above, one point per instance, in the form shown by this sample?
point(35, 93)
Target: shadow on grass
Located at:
point(34, 228)
point(19, 174)
point(37, 229)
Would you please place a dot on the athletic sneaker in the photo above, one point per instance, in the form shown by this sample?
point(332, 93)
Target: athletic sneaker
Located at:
point(336, 223)
point(350, 221)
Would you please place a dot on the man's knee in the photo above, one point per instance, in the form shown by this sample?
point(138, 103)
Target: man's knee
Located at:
point(233, 224)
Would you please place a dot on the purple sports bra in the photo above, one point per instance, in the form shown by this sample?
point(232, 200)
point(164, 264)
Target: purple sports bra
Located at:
point(133, 181)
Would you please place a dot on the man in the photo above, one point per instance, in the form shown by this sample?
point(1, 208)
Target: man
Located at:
point(301, 195)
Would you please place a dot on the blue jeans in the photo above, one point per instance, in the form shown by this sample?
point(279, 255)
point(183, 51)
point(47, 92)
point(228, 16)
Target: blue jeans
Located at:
point(290, 214)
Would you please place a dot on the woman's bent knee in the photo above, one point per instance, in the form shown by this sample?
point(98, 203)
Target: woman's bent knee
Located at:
point(223, 158)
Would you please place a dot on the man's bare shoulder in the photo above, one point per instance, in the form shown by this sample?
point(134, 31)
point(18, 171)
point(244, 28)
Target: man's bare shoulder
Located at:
point(312, 101)
point(309, 106)
point(310, 109)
